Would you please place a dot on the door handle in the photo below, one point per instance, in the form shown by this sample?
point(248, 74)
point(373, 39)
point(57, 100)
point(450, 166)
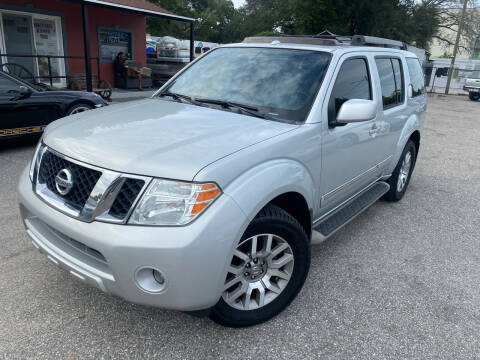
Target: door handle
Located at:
point(373, 131)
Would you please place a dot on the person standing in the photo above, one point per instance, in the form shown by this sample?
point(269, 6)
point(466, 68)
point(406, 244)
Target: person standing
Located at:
point(121, 69)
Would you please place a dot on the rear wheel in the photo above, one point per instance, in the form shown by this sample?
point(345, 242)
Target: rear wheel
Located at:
point(78, 108)
point(401, 175)
point(268, 269)
point(474, 96)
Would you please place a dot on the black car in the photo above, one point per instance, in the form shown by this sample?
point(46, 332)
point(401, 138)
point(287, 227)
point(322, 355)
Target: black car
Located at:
point(26, 108)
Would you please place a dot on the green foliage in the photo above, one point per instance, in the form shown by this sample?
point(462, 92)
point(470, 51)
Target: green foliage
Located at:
point(412, 21)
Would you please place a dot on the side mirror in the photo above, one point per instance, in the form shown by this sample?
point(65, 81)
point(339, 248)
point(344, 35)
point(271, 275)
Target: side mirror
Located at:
point(356, 110)
point(410, 91)
point(24, 92)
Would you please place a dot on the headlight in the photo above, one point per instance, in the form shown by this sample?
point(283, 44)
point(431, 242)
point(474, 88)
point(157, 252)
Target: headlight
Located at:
point(35, 160)
point(168, 202)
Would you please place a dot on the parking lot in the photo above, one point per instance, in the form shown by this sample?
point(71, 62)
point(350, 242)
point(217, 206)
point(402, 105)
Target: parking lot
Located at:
point(400, 281)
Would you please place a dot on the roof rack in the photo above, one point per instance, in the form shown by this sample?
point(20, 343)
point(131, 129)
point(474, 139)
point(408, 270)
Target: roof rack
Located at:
point(292, 39)
point(329, 39)
point(359, 40)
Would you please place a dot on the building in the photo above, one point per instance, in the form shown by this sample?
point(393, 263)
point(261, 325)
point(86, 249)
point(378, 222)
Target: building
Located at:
point(61, 28)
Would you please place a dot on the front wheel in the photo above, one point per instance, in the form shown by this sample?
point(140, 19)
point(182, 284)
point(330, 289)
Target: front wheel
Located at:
point(78, 108)
point(268, 268)
point(474, 96)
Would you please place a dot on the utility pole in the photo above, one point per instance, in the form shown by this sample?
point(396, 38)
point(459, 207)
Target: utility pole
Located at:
point(455, 48)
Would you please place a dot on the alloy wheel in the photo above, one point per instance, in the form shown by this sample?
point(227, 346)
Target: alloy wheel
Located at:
point(79, 109)
point(404, 171)
point(261, 268)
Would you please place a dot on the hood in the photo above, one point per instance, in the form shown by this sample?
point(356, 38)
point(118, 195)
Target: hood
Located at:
point(156, 137)
point(472, 81)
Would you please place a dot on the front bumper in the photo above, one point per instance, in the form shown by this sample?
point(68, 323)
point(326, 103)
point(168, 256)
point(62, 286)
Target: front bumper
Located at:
point(193, 258)
point(470, 88)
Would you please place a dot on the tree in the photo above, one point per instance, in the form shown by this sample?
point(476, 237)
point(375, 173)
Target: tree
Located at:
point(413, 21)
point(215, 20)
point(447, 16)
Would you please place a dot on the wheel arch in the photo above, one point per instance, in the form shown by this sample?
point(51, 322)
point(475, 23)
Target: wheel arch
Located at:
point(411, 131)
point(290, 187)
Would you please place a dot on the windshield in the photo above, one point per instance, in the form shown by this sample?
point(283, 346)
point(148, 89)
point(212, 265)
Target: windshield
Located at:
point(280, 83)
point(475, 74)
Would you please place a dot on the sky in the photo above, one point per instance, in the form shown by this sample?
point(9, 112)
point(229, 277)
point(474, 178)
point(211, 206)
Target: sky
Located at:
point(238, 3)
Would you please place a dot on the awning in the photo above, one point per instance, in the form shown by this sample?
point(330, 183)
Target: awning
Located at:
point(143, 7)
point(140, 7)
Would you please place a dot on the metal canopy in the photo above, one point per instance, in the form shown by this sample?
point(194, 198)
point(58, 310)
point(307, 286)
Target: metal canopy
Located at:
point(138, 10)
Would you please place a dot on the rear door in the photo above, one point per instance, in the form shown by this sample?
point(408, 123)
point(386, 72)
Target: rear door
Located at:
point(394, 111)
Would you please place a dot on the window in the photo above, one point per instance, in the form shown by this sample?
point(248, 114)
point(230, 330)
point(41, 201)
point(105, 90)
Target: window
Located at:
point(7, 85)
point(391, 81)
point(399, 82)
point(416, 76)
point(111, 42)
point(25, 33)
point(281, 83)
point(353, 82)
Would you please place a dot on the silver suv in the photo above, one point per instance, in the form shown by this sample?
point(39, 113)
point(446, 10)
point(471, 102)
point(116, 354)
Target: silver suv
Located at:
point(206, 196)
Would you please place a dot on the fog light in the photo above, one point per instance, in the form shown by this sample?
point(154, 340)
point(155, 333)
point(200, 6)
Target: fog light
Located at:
point(150, 280)
point(157, 275)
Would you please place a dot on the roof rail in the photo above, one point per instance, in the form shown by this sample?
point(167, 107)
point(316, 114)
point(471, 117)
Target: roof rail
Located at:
point(329, 39)
point(359, 40)
point(292, 39)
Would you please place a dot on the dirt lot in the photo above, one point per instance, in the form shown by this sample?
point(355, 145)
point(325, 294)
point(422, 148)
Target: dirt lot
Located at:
point(401, 281)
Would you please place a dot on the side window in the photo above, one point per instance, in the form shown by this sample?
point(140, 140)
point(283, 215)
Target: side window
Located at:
point(387, 82)
point(7, 85)
point(399, 80)
point(416, 76)
point(353, 82)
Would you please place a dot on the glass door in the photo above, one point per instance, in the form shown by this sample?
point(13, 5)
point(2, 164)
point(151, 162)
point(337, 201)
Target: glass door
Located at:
point(17, 30)
point(47, 43)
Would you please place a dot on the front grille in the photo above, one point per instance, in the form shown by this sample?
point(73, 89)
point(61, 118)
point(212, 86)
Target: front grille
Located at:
point(84, 179)
point(125, 198)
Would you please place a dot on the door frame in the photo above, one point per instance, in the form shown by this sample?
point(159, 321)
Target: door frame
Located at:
point(3, 47)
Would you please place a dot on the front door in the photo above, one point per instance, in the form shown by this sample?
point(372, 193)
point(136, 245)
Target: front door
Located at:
point(350, 153)
point(17, 30)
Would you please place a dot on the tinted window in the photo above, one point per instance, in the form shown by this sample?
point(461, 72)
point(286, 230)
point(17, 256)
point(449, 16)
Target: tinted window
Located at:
point(352, 82)
point(7, 84)
point(399, 82)
point(416, 76)
point(280, 82)
point(387, 82)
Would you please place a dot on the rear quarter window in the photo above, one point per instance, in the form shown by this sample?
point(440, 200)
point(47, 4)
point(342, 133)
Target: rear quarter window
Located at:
point(416, 76)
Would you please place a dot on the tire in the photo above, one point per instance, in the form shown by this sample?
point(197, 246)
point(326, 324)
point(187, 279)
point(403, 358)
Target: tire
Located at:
point(396, 193)
point(271, 223)
point(78, 108)
point(473, 96)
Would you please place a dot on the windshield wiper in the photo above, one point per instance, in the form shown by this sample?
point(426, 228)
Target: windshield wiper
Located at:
point(246, 109)
point(179, 97)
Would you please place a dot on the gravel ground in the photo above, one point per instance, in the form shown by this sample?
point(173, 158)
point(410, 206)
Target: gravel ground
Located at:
point(400, 281)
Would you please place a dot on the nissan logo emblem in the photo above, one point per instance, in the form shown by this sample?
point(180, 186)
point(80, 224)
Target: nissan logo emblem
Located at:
point(64, 181)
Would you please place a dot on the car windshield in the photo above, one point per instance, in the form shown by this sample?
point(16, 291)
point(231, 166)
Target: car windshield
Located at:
point(475, 74)
point(26, 82)
point(281, 84)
